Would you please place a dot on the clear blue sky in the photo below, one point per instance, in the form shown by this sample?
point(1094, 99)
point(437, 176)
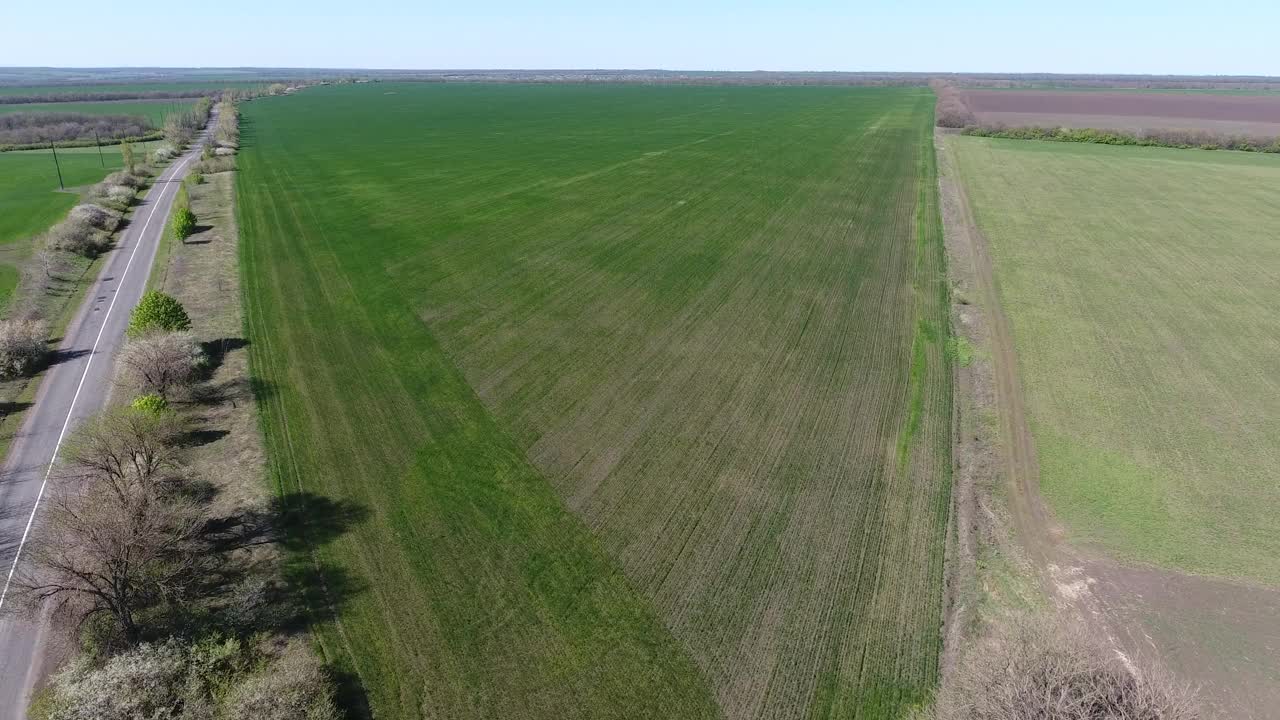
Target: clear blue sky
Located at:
point(1142, 36)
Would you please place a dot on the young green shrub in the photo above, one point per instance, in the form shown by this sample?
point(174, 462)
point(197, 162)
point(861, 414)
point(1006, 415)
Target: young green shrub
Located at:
point(157, 311)
point(150, 403)
point(184, 223)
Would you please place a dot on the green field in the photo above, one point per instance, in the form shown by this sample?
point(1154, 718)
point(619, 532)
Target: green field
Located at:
point(1141, 284)
point(29, 198)
point(640, 391)
point(154, 110)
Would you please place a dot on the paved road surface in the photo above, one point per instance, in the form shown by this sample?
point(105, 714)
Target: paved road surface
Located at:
point(74, 388)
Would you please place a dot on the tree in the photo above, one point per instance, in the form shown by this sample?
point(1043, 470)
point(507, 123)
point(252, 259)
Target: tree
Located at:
point(157, 311)
point(23, 343)
point(158, 362)
point(126, 154)
point(117, 539)
point(184, 223)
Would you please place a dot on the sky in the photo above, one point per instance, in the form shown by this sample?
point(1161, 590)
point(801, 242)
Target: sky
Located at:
point(1136, 36)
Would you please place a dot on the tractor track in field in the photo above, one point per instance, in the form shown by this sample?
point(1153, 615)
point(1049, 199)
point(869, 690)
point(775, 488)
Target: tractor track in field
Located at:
point(1219, 635)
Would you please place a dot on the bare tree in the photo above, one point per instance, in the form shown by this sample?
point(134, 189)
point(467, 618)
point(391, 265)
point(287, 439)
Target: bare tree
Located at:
point(160, 362)
point(117, 538)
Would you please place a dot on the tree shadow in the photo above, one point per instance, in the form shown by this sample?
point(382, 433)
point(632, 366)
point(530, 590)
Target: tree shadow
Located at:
point(57, 357)
point(247, 593)
point(9, 408)
point(263, 390)
point(216, 350)
point(198, 438)
point(195, 239)
point(351, 695)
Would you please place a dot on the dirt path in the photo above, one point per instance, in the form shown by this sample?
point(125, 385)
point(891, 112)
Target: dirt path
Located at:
point(1220, 635)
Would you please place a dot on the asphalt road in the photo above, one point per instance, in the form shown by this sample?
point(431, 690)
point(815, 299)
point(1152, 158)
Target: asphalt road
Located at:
point(75, 387)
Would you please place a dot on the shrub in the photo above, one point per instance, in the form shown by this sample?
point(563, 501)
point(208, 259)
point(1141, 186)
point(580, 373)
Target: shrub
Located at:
point(116, 197)
point(217, 677)
point(159, 362)
point(295, 687)
point(223, 152)
point(121, 177)
point(157, 311)
point(1183, 139)
point(96, 216)
point(184, 223)
point(146, 682)
point(150, 403)
point(77, 235)
point(1049, 670)
point(217, 164)
point(22, 346)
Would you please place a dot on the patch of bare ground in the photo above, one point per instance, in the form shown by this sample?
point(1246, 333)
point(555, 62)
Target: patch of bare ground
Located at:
point(1008, 554)
point(1198, 106)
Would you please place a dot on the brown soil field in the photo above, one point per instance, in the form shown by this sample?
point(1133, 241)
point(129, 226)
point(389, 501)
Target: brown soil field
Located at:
point(1129, 110)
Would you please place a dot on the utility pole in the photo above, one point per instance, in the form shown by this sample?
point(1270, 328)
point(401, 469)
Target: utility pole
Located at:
point(56, 165)
point(99, 144)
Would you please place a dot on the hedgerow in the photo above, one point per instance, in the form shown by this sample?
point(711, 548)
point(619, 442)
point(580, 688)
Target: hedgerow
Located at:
point(1184, 139)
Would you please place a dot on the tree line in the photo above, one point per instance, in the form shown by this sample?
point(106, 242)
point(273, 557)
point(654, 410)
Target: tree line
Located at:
point(41, 128)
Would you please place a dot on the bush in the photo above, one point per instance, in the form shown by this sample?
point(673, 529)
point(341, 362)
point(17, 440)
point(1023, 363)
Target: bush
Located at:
point(150, 403)
point(1183, 139)
point(77, 235)
point(1036, 669)
point(116, 197)
point(123, 178)
point(216, 678)
point(184, 223)
point(296, 687)
point(157, 311)
point(159, 362)
point(96, 216)
point(146, 682)
point(23, 344)
point(212, 165)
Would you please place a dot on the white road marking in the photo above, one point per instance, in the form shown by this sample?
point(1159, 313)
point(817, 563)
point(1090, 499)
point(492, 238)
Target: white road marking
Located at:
point(71, 410)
